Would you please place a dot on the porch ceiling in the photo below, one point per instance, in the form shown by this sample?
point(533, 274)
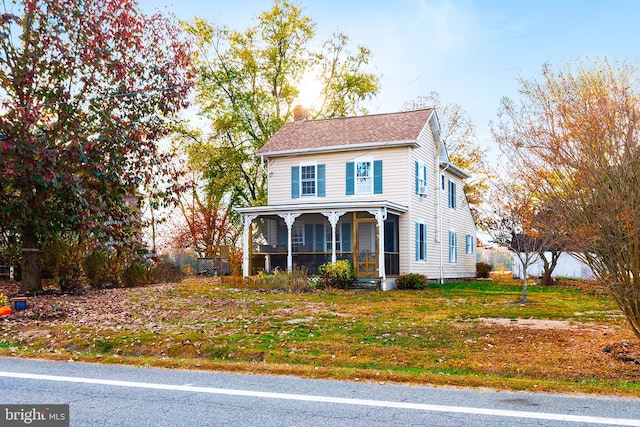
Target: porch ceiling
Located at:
point(364, 206)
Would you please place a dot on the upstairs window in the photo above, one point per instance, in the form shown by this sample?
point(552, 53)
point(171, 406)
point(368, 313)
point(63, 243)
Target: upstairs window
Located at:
point(364, 176)
point(452, 194)
point(308, 180)
point(421, 179)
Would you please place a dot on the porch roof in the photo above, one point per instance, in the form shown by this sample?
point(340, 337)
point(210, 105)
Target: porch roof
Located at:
point(301, 208)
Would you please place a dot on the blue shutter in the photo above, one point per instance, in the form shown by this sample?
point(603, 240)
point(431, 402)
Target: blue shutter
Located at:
point(417, 180)
point(283, 234)
point(350, 178)
point(322, 180)
point(453, 195)
point(417, 241)
point(424, 241)
point(319, 238)
point(346, 237)
point(295, 182)
point(377, 177)
point(424, 174)
point(308, 236)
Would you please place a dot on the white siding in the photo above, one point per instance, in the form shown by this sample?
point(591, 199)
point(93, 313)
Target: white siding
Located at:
point(395, 179)
point(398, 165)
point(426, 210)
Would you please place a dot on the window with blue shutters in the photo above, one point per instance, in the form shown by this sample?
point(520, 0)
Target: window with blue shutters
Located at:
point(470, 244)
point(421, 179)
point(364, 176)
point(308, 180)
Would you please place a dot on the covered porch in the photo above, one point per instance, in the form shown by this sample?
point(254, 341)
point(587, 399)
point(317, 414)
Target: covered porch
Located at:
point(285, 236)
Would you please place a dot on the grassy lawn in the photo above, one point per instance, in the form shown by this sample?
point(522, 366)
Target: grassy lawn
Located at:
point(465, 334)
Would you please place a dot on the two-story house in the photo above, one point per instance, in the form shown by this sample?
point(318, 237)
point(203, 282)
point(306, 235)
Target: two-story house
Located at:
point(378, 190)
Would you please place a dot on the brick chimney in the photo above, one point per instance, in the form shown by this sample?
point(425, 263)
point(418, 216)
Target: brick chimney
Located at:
point(300, 113)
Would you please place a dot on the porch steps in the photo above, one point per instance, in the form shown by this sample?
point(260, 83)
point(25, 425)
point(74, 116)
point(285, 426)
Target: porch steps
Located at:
point(366, 284)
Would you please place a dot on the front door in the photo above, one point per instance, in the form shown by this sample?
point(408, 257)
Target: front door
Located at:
point(365, 251)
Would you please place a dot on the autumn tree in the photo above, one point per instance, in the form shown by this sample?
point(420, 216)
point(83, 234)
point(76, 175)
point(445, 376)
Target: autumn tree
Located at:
point(207, 222)
point(511, 224)
point(575, 134)
point(458, 134)
point(248, 83)
point(86, 88)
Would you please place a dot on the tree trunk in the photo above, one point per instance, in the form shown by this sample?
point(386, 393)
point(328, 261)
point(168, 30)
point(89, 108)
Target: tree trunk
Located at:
point(31, 280)
point(547, 280)
point(549, 266)
point(524, 288)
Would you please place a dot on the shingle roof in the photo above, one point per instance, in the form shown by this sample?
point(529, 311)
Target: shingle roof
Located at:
point(347, 131)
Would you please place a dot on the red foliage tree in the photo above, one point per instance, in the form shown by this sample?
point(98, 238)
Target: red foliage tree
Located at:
point(85, 91)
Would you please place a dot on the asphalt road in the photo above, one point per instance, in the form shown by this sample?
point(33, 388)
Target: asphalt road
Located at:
point(108, 395)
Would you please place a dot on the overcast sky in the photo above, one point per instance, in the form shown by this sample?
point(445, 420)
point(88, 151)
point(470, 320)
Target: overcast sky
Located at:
point(471, 52)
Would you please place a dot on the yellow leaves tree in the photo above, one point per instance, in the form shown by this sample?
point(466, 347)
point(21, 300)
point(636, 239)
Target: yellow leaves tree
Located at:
point(574, 134)
point(458, 134)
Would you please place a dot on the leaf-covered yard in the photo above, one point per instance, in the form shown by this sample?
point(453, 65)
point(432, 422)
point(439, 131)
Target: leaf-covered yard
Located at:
point(567, 339)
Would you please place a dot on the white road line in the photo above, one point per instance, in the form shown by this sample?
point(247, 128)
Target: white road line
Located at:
point(329, 399)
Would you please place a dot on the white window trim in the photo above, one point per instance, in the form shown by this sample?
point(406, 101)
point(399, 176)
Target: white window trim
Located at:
point(300, 166)
point(470, 246)
point(355, 175)
point(452, 201)
point(426, 241)
point(453, 247)
point(423, 178)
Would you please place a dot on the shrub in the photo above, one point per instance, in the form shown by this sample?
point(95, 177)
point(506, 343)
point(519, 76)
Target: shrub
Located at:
point(166, 271)
point(296, 281)
point(412, 281)
point(62, 263)
point(336, 275)
point(99, 267)
point(138, 273)
point(483, 269)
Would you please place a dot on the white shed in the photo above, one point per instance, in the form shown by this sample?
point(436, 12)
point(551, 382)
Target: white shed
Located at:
point(568, 266)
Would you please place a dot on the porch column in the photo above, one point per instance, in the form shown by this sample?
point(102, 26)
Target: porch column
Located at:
point(333, 217)
point(381, 216)
point(246, 255)
point(289, 219)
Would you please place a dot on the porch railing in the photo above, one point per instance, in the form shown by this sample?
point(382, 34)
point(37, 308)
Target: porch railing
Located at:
point(313, 260)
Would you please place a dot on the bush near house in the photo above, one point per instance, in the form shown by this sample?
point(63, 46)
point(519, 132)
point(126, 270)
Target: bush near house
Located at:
point(483, 269)
point(412, 281)
point(295, 282)
point(336, 275)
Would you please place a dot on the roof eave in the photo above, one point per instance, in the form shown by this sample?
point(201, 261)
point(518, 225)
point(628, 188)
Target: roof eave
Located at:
point(340, 148)
point(320, 207)
point(454, 170)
